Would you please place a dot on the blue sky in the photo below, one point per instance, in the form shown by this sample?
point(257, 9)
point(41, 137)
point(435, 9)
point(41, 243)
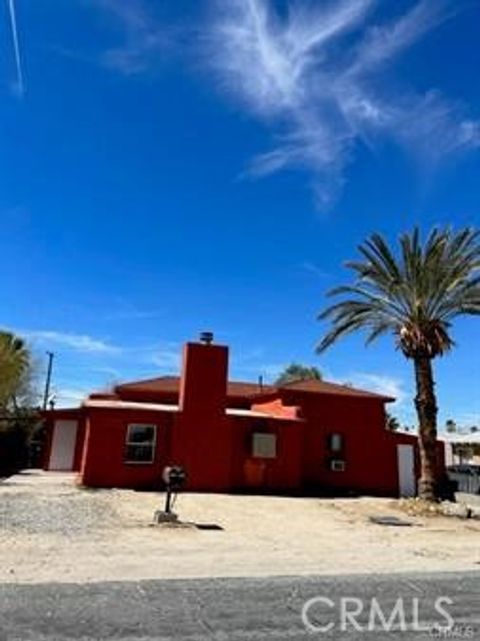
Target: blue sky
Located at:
point(168, 167)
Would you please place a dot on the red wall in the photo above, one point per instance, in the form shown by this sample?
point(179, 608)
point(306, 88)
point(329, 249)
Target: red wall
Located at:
point(370, 451)
point(104, 450)
point(281, 473)
point(103, 458)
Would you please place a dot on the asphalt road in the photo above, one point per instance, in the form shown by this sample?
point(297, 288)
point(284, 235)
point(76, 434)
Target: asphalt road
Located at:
point(242, 609)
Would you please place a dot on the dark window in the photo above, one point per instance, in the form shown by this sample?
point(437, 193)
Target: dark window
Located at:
point(140, 443)
point(335, 442)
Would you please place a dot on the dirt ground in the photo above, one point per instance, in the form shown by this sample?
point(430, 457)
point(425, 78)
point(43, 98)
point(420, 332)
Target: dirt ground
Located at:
point(50, 530)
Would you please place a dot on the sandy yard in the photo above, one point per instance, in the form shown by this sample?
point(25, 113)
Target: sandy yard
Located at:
point(51, 530)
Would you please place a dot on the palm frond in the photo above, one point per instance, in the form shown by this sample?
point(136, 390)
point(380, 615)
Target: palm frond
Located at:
point(413, 292)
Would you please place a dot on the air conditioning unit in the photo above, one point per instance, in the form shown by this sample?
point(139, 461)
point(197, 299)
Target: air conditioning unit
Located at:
point(337, 465)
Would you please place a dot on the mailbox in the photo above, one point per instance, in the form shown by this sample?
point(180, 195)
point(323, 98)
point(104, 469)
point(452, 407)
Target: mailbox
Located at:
point(174, 477)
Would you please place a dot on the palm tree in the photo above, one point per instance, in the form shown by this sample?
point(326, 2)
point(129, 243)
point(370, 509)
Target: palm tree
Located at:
point(14, 367)
point(413, 295)
point(297, 372)
point(392, 423)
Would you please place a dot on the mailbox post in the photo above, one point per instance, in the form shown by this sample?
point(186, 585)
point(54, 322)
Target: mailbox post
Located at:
point(174, 478)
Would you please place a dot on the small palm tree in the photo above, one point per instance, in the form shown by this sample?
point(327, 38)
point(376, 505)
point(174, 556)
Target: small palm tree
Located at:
point(14, 366)
point(413, 295)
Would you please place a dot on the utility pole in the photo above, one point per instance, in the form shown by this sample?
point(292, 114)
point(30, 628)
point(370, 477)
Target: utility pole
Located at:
point(48, 380)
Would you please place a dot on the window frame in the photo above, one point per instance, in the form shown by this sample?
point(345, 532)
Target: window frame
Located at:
point(152, 444)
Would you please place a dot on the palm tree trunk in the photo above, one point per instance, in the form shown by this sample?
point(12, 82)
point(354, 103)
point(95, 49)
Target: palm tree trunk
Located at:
point(426, 406)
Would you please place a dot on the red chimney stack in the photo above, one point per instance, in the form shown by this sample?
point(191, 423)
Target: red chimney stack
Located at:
point(201, 432)
point(203, 383)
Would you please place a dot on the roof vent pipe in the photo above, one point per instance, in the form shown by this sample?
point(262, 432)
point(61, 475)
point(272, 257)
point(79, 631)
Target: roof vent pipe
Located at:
point(206, 338)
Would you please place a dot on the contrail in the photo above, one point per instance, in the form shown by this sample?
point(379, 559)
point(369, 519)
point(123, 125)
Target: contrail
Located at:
point(16, 47)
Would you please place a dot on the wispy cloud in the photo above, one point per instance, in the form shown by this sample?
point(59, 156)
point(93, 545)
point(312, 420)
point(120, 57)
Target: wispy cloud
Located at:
point(78, 342)
point(20, 87)
point(143, 39)
point(315, 74)
point(382, 43)
point(162, 354)
point(381, 384)
point(165, 356)
point(85, 364)
point(69, 396)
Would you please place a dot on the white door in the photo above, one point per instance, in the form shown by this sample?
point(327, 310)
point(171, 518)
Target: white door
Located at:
point(406, 470)
point(63, 445)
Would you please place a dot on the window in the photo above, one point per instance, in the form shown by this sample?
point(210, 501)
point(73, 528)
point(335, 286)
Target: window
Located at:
point(335, 442)
point(264, 445)
point(140, 443)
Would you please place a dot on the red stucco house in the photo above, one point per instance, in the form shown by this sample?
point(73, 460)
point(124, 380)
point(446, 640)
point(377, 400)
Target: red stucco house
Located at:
point(309, 436)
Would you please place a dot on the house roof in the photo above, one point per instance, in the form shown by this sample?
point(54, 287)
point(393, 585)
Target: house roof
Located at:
point(171, 384)
point(240, 389)
point(323, 387)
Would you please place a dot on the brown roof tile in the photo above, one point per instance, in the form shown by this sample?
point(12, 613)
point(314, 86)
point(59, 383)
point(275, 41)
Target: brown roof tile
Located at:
point(323, 387)
point(171, 384)
point(240, 389)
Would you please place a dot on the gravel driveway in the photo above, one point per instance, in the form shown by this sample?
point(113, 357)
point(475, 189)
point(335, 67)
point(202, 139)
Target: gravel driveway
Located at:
point(65, 513)
point(51, 530)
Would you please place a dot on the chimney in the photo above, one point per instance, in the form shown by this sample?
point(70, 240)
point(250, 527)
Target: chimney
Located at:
point(203, 385)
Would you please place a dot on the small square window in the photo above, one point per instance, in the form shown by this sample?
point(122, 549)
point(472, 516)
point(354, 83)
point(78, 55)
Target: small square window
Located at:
point(140, 443)
point(335, 442)
point(264, 445)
